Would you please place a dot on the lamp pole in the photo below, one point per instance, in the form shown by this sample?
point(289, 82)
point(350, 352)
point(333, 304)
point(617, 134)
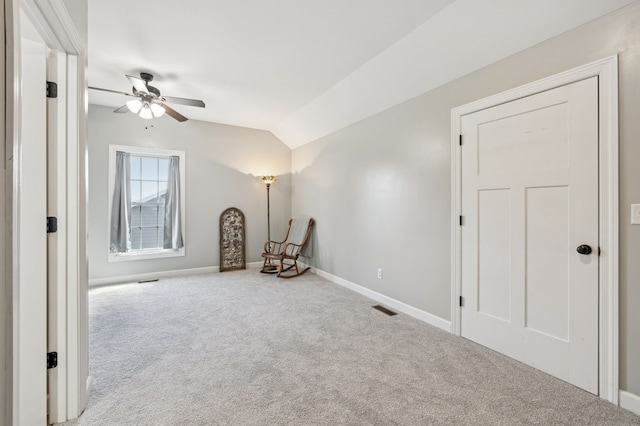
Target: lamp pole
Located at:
point(268, 180)
point(268, 214)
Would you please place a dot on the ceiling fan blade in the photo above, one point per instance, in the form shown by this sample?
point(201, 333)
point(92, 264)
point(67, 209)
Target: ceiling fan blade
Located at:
point(173, 113)
point(122, 109)
point(184, 101)
point(138, 83)
point(110, 91)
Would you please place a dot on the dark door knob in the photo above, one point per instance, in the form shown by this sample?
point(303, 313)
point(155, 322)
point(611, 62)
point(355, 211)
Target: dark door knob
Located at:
point(584, 249)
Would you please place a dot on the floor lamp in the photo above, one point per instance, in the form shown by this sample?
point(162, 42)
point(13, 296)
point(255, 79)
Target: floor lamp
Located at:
point(268, 180)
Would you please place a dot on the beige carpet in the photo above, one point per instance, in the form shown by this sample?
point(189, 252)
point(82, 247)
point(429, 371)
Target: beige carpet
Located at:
point(244, 348)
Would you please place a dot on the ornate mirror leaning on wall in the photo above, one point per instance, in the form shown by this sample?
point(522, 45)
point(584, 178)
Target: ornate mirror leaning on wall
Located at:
point(232, 242)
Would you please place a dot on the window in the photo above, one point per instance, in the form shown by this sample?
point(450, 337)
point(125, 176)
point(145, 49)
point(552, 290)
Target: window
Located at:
point(146, 203)
point(149, 177)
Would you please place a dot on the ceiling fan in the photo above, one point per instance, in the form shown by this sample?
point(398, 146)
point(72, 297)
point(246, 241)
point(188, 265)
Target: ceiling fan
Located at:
point(148, 102)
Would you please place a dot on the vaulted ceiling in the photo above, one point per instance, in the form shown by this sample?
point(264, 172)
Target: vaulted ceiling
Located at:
point(303, 69)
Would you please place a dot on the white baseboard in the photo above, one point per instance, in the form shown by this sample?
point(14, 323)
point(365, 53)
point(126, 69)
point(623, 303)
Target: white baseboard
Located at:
point(393, 303)
point(96, 282)
point(630, 402)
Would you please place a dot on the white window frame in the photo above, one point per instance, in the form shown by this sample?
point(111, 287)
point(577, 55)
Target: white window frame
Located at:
point(149, 253)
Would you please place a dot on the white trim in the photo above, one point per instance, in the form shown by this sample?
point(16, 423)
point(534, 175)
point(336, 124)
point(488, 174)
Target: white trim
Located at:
point(57, 243)
point(630, 402)
point(97, 282)
point(54, 24)
point(77, 279)
point(456, 199)
point(607, 71)
point(146, 254)
point(393, 303)
point(12, 139)
point(609, 231)
point(6, 292)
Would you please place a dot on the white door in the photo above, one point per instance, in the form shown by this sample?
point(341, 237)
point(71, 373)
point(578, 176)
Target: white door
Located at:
point(529, 200)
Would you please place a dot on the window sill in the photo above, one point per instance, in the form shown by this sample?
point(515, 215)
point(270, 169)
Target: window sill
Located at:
point(145, 255)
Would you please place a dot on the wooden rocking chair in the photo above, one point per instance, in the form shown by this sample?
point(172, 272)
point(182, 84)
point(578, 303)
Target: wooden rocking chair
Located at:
point(282, 256)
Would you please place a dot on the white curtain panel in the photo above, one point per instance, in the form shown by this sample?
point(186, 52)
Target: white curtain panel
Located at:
point(120, 241)
point(172, 219)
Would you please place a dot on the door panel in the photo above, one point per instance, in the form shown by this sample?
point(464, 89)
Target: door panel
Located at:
point(494, 277)
point(532, 140)
point(547, 248)
point(529, 198)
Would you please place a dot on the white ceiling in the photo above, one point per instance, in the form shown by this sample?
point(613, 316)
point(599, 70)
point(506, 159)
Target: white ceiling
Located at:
point(306, 68)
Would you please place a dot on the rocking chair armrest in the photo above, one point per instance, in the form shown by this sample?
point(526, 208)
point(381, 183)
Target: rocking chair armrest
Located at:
point(272, 244)
point(294, 251)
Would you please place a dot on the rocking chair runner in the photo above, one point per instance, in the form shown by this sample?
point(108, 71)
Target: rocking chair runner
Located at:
point(282, 256)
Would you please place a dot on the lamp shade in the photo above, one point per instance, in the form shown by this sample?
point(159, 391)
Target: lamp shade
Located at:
point(157, 110)
point(268, 179)
point(134, 105)
point(145, 112)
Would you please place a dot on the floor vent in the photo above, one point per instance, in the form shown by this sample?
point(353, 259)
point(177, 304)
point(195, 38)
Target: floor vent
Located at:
point(147, 281)
point(385, 310)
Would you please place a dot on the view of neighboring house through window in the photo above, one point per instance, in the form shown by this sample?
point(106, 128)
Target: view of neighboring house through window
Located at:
point(147, 205)
point(148, 189)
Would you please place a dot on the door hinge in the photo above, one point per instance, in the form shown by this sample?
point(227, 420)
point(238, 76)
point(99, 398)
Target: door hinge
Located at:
point(599, 252)
point(52, 360)
point(461, 302)
point(52, 89)
point(460, 220)
point(52, 224)
point(460, 141)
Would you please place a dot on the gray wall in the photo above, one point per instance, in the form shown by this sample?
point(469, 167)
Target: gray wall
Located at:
point(5, 292)
point(380, 189)
point(78, 10)
point(221, 165)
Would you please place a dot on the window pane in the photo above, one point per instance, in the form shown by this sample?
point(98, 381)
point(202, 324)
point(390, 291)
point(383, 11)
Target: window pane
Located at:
point(162, 190)
point(135, 191)
point(161, 215)
point(149, 191)
point(149, 238)
point(135, 216)
point(149, 168)
point(149, 216)
point(135, 239)
point(163, 172)
point(161, 237)
point(135, 167)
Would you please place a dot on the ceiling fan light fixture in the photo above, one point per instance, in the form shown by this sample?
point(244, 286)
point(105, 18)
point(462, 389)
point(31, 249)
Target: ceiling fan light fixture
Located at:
point(134, 105)
point(147, 101)
point(145, 112)
point(157, 110)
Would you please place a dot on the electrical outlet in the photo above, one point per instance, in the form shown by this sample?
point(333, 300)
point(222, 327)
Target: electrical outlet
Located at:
point(379, 273)
point(635, 214)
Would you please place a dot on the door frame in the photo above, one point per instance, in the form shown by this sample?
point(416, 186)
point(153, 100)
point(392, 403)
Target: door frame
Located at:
point(52, 21)
point(607, 71)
